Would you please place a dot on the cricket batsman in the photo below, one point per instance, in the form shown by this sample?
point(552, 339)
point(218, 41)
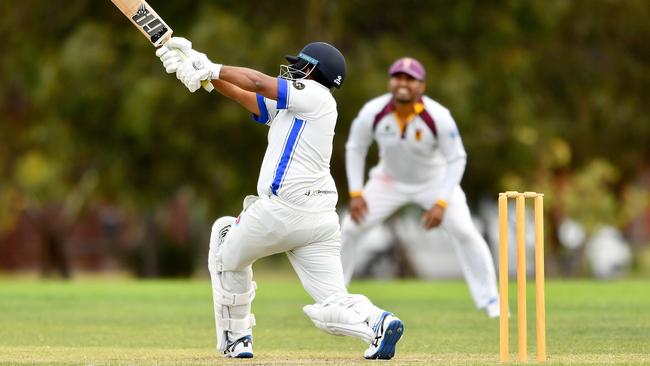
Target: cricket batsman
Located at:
point(294, 210)
point(422, 160)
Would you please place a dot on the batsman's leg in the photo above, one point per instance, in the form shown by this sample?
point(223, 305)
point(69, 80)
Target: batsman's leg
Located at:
point(337, 312)
point(232, 293)
point(255, 234)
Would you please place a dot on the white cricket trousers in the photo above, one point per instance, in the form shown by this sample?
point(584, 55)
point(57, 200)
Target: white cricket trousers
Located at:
point(384, 196)
point(312, 241)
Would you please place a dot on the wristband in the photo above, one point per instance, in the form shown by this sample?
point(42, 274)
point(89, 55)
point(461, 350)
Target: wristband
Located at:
point(442, 203)
point(215, 70)
point(356, 194)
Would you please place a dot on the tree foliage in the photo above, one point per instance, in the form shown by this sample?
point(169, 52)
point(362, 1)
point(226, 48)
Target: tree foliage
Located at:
point(535, 87)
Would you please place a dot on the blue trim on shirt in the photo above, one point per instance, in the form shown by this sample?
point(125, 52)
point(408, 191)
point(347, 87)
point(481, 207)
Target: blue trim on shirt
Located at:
point(283, 93)
point(264, 112)
point(287, 154)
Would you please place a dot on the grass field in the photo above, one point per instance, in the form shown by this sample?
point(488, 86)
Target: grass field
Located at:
point(102, 322)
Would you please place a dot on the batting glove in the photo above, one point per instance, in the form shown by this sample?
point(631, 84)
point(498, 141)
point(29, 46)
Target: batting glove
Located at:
point(174, 52)
point(195, 69)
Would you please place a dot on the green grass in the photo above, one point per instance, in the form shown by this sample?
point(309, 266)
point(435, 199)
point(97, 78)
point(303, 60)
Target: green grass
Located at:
point(102, 322)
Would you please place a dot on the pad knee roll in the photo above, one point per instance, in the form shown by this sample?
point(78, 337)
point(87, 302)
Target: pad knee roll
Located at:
point(220, 229)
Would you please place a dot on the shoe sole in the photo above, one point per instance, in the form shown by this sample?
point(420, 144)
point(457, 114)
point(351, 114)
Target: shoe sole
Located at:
point(393, 334)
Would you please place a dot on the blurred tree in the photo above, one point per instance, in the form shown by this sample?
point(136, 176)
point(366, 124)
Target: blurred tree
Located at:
point(536, 87)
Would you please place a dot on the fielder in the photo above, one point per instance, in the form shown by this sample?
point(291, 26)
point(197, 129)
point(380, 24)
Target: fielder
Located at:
point(422, 160)
point(294, 211)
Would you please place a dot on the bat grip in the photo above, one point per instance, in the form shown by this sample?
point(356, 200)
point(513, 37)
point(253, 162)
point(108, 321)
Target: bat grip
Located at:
point(206, 84)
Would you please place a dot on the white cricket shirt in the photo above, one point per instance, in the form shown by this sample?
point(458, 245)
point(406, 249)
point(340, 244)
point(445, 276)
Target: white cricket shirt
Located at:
point(428, 149)
point(296, 165)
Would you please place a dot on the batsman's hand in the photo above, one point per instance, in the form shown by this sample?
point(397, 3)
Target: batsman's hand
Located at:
point(178, 50)
point(195, 69)
point(358, 209)
point(433, 217)
point(174, 52)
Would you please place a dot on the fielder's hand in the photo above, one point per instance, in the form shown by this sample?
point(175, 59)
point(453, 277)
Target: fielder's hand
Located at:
point(358, 209)
point(433, 217)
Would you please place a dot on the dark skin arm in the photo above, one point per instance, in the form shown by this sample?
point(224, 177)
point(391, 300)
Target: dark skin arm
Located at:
point(245, 98)
point(242, 84)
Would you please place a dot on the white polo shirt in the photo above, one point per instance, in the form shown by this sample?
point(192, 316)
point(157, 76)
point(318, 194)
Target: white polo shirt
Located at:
point(296, 165)
point(428, 149)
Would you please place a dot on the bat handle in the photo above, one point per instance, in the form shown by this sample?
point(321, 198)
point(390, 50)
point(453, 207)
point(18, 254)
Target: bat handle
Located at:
point(206, 84)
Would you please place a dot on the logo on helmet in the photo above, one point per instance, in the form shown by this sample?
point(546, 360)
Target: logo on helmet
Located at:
point(338, 80)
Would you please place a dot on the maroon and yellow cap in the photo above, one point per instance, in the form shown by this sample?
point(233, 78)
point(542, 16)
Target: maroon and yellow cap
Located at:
point(409, 66)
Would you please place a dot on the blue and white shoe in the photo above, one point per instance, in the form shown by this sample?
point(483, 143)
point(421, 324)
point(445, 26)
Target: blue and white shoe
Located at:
point(241, 348)
point(388, 331)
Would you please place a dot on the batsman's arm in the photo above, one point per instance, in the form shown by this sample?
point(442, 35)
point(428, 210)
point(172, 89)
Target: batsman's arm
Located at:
point(246, 98)
point(250, 80)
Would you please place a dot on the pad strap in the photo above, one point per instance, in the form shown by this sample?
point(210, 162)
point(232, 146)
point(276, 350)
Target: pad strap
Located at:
point(224, 297)
point(229, 324)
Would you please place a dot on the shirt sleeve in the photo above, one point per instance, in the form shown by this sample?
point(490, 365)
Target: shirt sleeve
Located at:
point(452, 149)
point(299, 97)
point(268, 110)
point(356, 149)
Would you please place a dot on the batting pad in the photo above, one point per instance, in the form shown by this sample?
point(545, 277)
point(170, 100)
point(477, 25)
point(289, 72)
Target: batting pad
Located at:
point(343, 315)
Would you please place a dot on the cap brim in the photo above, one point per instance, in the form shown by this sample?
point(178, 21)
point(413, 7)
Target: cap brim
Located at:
point(410, 73)
point(292, 59)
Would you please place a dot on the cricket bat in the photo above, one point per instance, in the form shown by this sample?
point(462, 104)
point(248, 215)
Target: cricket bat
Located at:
point(150, 24)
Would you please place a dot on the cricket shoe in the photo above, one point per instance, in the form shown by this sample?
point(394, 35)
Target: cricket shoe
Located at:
point(493, 308)
point(388, 331)
point(241, 348)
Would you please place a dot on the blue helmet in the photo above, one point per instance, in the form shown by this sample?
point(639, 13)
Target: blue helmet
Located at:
point(326, 63)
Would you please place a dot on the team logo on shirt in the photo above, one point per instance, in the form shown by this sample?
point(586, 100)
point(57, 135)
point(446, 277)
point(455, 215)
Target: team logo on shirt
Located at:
point(418, 134)
point(298, 85)
point(386, 131)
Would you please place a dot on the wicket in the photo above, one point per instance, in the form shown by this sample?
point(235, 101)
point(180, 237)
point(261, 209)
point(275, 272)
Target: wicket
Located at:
point(520, 202)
